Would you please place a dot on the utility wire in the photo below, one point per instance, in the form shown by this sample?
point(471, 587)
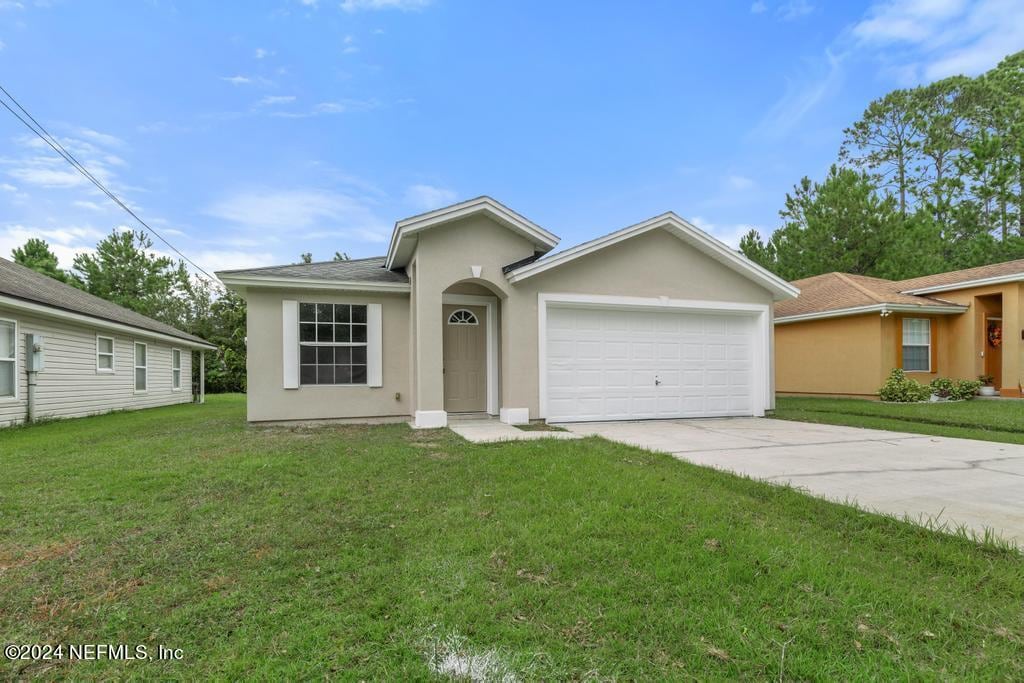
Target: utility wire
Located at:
point(55, 144)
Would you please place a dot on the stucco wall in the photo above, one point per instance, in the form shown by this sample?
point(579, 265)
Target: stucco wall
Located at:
point(969, 332)
point(70, 385)
point(869, 347)
point(653, 264)
point(830, 356)
point(444, 256)
point(268, 400)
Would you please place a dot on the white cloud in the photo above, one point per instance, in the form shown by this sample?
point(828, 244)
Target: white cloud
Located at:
point(91, 206)
point(758, 7)
point(427, 197)
point(794, 9)
point(730, 234)
point(301, 213)
point(402, 5)
point(214, 260)
point(739, 182)
point(272, 100)
point(237, 80)
point(801, 96)
point(66, 243)
point(2, 45)
point(262, 53)
point(7, 187)
point(104, 139)
point(933, 39)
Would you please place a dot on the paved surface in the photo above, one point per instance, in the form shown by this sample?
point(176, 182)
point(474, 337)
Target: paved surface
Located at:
point(491, 430)
point(960, 481)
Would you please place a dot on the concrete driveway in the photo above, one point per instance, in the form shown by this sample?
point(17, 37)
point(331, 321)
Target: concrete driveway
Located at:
point(961, 481)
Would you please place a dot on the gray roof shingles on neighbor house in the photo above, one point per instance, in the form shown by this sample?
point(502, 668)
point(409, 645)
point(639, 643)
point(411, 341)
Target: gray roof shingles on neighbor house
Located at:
point(355, 270)
point(23, 283)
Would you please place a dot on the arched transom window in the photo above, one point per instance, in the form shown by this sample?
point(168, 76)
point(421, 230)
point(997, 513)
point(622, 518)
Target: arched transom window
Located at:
point(462, 317)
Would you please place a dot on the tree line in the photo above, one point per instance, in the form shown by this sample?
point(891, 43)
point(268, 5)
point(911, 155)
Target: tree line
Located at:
point(123, 269)
point(929, 179)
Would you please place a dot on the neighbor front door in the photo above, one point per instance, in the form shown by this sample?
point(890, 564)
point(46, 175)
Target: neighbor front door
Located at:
point(465, 358)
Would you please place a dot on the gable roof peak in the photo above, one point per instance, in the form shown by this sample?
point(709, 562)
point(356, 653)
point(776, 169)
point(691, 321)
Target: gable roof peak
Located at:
point(405, 234)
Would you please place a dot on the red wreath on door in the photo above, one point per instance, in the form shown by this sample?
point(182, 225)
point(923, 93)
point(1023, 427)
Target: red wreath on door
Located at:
point(995, 335)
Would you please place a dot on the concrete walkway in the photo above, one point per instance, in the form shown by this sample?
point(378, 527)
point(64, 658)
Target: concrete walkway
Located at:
point(487, 429)
point(960, 481)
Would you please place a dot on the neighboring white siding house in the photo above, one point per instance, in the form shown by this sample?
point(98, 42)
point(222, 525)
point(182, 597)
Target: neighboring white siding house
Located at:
point(91, 364)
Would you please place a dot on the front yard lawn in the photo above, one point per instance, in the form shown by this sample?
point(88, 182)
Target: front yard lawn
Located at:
point(987, 420)
point(385, 553)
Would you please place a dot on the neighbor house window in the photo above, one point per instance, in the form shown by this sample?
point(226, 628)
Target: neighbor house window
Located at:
point(332, 343)
point(104, 354)
point(8, 358)
point(917, 344)
point(175, 369)
point(141, 366)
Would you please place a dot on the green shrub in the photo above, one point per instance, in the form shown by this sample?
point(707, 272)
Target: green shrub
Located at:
point(942, 387)
point(954, 390)
point(965, 389)
point(899, 388)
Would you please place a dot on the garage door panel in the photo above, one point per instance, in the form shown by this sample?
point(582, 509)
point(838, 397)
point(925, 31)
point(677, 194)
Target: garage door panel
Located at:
point(602, 364)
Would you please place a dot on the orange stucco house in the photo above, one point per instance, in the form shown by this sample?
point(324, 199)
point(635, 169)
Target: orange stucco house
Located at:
point(845, 333)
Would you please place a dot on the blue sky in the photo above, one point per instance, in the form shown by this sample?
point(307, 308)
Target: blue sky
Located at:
point(251, 132)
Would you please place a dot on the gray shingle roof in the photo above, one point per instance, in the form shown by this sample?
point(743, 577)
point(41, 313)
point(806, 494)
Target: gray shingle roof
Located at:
point(24, 283)
point(357, 270)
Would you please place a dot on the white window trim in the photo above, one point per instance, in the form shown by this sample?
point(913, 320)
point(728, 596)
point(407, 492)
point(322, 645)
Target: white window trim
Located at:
point(471, 320)
point(761, 386)
point(300, 344)
point(113, 355)
point(491, 304)
point(174, 350)
point(17, 381)
point(928, 345)
point(137, 367)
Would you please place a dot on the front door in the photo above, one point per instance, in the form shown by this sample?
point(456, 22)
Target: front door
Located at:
point(994, 350)
point(465, 358)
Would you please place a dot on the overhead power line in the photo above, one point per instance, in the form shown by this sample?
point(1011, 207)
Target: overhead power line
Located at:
point(57, 147)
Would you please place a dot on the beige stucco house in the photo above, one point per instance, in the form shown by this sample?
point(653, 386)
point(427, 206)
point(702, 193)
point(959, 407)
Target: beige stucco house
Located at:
point(845, 333)
point(66, 353)
point(472, 311)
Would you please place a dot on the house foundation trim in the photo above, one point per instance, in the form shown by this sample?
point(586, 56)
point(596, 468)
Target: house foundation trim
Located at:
point(430, 419)
point(514, 416)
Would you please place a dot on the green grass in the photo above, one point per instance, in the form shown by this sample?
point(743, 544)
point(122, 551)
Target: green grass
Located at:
point(1001, 421)
point(352, 552)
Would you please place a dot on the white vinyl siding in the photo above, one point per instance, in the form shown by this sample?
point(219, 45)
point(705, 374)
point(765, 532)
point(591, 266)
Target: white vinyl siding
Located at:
point(69, 386)
point(141, 367)
point(8, 359)
point(917, 345)
point(176, 369)
point(104, 354)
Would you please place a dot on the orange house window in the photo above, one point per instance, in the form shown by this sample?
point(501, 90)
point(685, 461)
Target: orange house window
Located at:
point(917, 344)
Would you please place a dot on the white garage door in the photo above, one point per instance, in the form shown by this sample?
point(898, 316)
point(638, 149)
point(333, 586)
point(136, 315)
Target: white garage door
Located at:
point(629, 364)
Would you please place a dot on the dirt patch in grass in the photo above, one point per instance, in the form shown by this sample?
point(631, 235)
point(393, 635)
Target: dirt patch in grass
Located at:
point(12, 558)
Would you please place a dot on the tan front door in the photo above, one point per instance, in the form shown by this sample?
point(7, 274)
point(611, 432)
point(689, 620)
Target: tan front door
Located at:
point(465, 358)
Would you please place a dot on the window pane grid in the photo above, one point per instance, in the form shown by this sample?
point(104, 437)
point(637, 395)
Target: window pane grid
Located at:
point(332, 343)
point(104, 353)
point(917, 335)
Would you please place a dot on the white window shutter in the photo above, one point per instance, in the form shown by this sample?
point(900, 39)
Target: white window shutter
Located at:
point(290, 343)
point(374, 346)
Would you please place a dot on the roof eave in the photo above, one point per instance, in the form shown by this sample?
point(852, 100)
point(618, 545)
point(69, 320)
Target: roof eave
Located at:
point(966, 284)
point(872, 308)
point(240, 284)
point(103, 323)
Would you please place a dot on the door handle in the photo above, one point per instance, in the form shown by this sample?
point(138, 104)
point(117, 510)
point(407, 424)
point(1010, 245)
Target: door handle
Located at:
point(657, 381)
